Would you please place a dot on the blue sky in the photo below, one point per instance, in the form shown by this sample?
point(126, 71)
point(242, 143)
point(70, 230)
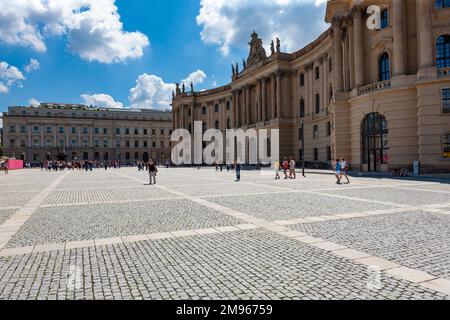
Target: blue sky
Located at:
point(122, 53)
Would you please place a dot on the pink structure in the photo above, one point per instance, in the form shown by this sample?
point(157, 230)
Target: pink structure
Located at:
point(14, 164)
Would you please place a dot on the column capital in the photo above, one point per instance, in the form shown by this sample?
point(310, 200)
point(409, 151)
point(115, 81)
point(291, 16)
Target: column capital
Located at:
point(358, 12)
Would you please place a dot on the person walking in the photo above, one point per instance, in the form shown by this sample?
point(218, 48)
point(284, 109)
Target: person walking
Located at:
point(276, 167)
point(292, 173)
point(338, 171)
point(238, 170)
point(152, 170)
point(344, 170)
point(285, 166)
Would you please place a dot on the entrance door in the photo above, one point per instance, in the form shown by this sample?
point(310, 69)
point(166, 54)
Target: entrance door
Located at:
point(375, 142)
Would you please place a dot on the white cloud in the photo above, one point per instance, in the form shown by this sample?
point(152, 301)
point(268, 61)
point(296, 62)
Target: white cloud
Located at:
point(34, 103)
point(229, 23)
point(9, 76)
point(92, 27)
point(196, 77)
point(151, 92)
point(101, 100)
point(32, 66)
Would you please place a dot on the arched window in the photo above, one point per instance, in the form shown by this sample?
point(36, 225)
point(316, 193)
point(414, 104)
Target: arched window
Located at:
point(375, 141)
point(216, 124)
point(443, 51)
point(384, 67)
point(440, 4)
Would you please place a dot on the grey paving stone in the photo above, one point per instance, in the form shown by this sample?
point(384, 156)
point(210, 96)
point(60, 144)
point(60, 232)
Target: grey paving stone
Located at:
point(287, 206)
point(416, 240)
point(251, 264)
point(74, 223)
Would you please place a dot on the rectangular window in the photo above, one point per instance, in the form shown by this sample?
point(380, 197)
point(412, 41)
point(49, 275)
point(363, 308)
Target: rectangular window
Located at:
point(317, 103)
point(216, 108)
point(446, 146)
point(49, 129)
point(127, 131)
point(74, 130)
point(317, 73)
point(118, 143)
point(384, 19)
point(23, 129)
point(302, 80)
point(316, 154)
point(316, 131)
point(97, 143)
point(96, 130)
point(105, 143)
point(61, 129)
point(12, 143)
point(136, 132)
point(153, 132)
point(22, 143)
point(105, 130)
point(162, 132)
point(118, 131)
point(441, 4)
point(162, 144)
point(145, 144)
point(300, 134)
point(74, 143)
point(446, 100)
point(145, 132)
point(12, 129)
point(85, 131)
point(136, 144)
point(302, 108)
point(127, 144)
point(35, 129)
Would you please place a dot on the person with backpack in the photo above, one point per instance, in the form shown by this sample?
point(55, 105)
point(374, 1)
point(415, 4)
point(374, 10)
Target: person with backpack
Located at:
point(152, 170)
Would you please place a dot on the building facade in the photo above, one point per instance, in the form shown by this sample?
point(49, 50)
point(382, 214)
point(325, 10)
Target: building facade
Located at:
point(76, 132)
point(380, 97)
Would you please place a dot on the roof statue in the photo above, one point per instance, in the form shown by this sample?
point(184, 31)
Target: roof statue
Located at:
point(278, 45)
point(192, 86)
point(272, 47)
point(257, 51)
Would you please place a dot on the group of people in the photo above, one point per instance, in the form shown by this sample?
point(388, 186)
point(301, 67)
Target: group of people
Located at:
point(341, 168)
point(286, 166)
point(78, 165)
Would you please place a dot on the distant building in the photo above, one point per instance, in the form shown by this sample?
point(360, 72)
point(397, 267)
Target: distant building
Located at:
point(55, 131)
point(379, 98)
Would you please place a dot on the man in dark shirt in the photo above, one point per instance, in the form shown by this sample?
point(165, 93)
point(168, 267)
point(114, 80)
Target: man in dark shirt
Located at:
point(152, 170)
point(238, 171)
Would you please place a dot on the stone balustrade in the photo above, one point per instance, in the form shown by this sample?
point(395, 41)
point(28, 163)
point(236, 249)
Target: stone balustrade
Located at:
point(373, 87)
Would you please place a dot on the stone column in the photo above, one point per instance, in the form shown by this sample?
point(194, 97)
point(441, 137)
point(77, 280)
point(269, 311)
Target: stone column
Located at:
point(358, 48)
point(279, 107)
point(425, 34)
point(399, 38)
point(337, 50)
point(264, 100)
point(247, 105)
point(273, 97)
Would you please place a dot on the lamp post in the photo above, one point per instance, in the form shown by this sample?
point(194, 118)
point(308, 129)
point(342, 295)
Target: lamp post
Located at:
point(303, 149)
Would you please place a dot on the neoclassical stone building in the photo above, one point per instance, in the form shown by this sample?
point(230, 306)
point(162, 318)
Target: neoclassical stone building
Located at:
point(379, 97)
point(56, 131)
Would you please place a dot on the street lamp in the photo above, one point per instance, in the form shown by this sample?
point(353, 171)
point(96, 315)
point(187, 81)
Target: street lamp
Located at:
point(303, 149)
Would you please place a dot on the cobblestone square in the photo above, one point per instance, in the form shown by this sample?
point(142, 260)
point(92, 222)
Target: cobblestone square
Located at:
point(197, 234)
